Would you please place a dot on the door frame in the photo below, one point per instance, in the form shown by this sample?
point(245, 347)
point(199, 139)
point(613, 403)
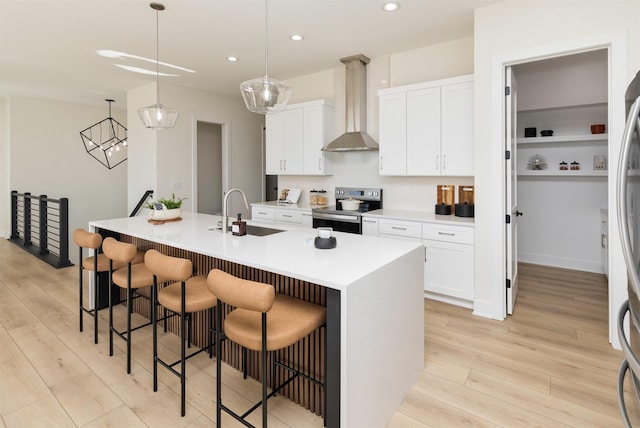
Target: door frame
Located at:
point(226, 160)
point(616, 44)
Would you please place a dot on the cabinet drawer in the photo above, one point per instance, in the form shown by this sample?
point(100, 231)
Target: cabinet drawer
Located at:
point(437, 232)
point(289, 216)
point(410, 229)
point(263, 214)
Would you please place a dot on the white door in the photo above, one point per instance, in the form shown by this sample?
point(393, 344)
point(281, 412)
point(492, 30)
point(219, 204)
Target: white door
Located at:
point(511, 177)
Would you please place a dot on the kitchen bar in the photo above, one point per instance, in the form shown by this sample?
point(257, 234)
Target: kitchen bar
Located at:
point(374, 298)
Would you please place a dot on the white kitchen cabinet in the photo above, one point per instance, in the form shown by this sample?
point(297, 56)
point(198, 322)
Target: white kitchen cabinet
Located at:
point(456, 142)
point(369, 226)
point(427, 129)
point(288, 216)
point(294, 138)
point(449, 266)
point(393, 134)
point(263, 214)
point(307, 219)
point(400, 229)
point(274, 214)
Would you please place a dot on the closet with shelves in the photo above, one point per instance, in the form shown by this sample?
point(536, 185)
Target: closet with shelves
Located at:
point(562, 198)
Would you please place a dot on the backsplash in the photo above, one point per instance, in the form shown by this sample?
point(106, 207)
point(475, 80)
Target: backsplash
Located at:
point(360, 169)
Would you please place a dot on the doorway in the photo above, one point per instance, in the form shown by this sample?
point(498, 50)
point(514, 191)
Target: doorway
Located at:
point(560, 180)
point(209, 178)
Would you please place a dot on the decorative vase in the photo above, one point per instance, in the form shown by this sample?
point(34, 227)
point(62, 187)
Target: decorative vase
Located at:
point(165, 214)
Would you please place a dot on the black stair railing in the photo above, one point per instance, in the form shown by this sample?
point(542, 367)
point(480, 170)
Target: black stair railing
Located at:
point(40, 225)
point(141, 202)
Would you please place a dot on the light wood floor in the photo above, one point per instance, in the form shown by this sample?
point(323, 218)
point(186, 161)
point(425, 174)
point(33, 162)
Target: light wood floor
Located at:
point(548, 365)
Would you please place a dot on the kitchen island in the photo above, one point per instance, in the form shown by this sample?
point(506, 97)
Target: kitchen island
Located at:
point(372, 289)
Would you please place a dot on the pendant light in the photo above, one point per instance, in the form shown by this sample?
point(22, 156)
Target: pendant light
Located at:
point(106, 141)
point(158, 116)
point(265, 95)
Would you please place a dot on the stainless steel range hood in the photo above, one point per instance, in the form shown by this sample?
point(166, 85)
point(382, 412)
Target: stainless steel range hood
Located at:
point(355, 138)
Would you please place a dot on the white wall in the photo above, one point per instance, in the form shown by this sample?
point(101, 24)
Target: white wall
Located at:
point(512, 29)
point(355, 169)
point(47, 156)
point(5, 170)
point(164, 160)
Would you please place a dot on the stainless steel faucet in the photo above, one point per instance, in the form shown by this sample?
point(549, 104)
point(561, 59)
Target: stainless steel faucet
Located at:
point(225, 217)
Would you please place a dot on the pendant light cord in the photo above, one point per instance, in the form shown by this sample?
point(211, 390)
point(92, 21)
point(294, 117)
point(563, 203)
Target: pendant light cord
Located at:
point(266, 38)
point(157, 58)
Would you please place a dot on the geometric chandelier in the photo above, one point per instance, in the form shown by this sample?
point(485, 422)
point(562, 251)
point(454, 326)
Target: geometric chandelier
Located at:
point(106, 141)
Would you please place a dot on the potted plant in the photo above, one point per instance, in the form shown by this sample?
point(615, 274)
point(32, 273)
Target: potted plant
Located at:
point(165, 209)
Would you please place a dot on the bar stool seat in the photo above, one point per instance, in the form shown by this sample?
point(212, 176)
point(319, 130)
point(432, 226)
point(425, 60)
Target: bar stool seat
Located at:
point(184, 297)
point(263, 321)
point(288, 321)
point(131, 277)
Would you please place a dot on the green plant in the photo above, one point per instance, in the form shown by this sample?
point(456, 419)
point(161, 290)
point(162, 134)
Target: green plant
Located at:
point(169, 203)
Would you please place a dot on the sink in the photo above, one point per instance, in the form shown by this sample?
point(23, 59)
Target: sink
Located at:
point(258, 230)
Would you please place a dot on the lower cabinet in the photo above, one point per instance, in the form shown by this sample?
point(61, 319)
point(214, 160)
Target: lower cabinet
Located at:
point(449, 266)
point(263, 214)
point(369, 226)
point(275, 215)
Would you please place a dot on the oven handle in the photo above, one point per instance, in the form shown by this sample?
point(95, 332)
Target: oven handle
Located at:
point(338, 217)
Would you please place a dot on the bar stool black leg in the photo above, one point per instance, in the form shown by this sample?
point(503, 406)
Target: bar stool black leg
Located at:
point(95, 296)
point(183, 362)
point(80, 272)
point(264, 370)
point(154, 294)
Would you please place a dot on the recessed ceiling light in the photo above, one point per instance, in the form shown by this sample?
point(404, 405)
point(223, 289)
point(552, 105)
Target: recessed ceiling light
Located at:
point(123, 55)
point(391, 7)
point(296, 37)
point(144, 70)
point(233, 59)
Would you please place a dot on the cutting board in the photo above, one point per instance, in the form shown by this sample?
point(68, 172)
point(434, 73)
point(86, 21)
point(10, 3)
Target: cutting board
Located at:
point(446, 194)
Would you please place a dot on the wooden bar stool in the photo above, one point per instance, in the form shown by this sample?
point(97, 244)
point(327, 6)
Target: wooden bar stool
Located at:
point(183, 298)
point(131, 278)
point(96, 263)
point(262, 321)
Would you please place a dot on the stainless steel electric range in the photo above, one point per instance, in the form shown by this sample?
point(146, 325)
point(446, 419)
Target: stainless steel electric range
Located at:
point(345, 220)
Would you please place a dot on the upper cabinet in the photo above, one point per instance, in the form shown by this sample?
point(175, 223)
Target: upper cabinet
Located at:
point(294, 139)
point(427, 129)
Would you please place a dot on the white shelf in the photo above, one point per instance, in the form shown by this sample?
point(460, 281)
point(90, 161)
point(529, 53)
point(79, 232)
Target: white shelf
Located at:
point(568, 173)
point(563, 139)
point(596, 102)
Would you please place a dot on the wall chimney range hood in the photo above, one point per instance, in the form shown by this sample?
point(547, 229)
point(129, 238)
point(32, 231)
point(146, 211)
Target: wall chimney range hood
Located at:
point(355, 138)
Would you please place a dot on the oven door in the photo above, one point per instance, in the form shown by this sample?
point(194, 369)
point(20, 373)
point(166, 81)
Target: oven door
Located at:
point(339, 222)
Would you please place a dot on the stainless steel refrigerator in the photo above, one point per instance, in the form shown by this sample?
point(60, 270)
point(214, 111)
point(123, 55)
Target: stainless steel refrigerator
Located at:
point(628, 205)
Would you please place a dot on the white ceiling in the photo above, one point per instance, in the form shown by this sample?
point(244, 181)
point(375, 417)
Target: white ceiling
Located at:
point(48, 47)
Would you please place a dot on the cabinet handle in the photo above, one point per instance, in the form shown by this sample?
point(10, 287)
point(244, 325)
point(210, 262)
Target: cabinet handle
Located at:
point(446, 233)
point(398, 228)
point(287, 215)
point(280, 164)
point(381, 167)
point(603, 240)
point(262, 212)
point(444, 162)
point(437, 161)
point(285, 164)
point(319, 164)
point(368, 221)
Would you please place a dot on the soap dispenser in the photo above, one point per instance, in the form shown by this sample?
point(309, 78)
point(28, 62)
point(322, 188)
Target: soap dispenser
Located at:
point(239, 227)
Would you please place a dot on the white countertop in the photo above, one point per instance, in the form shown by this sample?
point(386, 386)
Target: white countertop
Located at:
point(423, 216)
point(289, 253)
